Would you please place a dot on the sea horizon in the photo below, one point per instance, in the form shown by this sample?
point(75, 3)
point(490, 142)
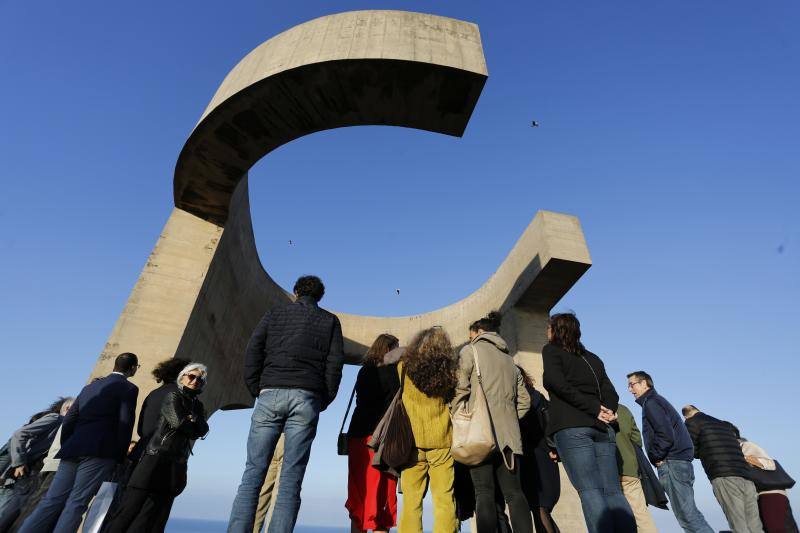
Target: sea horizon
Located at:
point(194, 525)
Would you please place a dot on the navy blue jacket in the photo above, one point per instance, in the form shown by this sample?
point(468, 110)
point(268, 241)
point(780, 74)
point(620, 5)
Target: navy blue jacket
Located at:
point(296, 346)
point(100, 422)
point(665, 435)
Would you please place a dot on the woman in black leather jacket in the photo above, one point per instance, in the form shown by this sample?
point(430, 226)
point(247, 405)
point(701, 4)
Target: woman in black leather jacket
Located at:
point(160, 475)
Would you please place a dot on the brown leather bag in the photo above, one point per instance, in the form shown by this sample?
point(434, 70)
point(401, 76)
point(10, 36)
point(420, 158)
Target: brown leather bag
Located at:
point(399, 446)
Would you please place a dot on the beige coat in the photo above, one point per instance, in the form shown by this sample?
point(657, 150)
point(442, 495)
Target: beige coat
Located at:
point(506, 394)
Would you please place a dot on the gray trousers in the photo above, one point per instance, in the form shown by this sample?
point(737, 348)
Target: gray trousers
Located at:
point(73, 487)
point(739, 502)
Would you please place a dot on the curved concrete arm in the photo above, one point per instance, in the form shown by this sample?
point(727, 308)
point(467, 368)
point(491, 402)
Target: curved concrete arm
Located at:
point(391, 68)
point(204, 289)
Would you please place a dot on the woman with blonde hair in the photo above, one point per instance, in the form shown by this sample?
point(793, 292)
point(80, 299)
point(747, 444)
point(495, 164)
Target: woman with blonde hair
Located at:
point(371, 493)
point(428, 368)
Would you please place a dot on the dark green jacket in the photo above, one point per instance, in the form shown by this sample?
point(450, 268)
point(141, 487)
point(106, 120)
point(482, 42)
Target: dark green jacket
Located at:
point(628, 436)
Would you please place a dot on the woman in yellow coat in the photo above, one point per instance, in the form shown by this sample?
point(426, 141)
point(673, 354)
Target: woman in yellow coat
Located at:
point(429, 384)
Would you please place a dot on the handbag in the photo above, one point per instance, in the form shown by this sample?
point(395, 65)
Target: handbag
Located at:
point(99, 508)
point(473, 433)
point(765, 480)
point(341, 442)
point(399, 446)
point(378, 438)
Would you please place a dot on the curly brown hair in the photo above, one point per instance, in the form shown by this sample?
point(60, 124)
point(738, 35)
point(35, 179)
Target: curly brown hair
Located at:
point(430, 363)
point(382, 345)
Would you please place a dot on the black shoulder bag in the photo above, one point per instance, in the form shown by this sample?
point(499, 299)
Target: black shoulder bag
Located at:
point(341, 443)
point(776, 479)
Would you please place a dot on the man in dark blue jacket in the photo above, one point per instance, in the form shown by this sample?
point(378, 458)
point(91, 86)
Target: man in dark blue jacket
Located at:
point(669, 448)
point(95, 436)
point(293, 365)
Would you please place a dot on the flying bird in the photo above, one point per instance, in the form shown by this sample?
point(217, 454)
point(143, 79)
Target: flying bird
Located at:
point(534, 124)
point(398, 291)
point(290, 242)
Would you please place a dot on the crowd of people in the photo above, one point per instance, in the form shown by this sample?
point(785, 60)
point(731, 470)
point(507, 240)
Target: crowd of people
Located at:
point(293, 367)
point(53, 466)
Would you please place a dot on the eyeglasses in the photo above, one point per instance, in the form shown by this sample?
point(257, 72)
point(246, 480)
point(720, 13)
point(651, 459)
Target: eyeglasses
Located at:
point(632, 383)
point(193, 377)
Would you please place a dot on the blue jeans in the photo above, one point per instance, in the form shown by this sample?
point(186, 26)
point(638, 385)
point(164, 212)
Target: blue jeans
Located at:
point(677, 478)
point(74, 485)
point(6, 498)
point(293, 412)
point(589, 456)
point(15, 497)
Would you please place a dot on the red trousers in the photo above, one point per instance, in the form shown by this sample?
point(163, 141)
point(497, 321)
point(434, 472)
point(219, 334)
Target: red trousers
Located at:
point(371, 494)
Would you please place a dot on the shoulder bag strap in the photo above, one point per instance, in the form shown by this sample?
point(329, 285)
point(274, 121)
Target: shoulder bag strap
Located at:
point(596, 379)
point(480, 384)
point(488, 409)
point(402, 380)
point(477, 365)
point(352, 394)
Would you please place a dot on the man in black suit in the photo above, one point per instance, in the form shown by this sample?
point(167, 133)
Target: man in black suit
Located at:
point(94, 438)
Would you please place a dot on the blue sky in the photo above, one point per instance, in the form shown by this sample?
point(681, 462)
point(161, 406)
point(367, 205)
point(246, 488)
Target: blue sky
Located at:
point(670, 129)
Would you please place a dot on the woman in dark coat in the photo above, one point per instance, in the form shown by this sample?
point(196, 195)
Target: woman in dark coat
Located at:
point(583, 404)
point(372, 494)
point(160, 475)
point(165, 373)
point(541, 481)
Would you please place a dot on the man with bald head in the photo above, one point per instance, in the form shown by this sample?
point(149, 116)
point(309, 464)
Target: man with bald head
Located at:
point(716, 444)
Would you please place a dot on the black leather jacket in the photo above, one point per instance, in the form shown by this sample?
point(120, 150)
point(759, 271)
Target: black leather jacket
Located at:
point(182, 420)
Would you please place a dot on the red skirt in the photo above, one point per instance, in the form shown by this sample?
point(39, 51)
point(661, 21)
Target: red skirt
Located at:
point(371, 494)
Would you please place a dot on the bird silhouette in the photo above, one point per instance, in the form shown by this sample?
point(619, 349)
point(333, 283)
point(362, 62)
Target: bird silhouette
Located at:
point(534, 124)
point(290, 241)
point(398, 291)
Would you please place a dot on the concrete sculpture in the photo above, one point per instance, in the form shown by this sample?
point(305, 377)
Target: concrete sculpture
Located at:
point(203, 288)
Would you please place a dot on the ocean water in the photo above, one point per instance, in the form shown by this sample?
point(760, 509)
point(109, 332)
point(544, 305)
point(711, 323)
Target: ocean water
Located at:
point(188, 525)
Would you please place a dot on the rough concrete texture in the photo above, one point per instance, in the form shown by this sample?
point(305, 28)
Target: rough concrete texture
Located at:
point(204, 289)
point(358, 68)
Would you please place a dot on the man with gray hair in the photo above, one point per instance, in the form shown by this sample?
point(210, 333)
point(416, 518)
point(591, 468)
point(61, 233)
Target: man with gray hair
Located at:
point(27, 449)
point(716, 444)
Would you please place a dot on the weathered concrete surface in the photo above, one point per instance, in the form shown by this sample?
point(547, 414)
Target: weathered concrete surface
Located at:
point(204, 288)
point(358, 68)
point(156, 314)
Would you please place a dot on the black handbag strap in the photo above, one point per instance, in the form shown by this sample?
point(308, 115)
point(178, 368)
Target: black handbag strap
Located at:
point(402, 380)
point(344, 420)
